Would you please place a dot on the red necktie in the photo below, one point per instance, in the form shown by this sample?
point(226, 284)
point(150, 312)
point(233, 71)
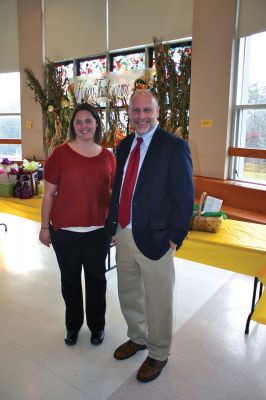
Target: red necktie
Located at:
point(128, 185)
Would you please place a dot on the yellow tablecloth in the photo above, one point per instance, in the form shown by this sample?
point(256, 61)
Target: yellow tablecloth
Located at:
point(238, 247)
point(26, 208)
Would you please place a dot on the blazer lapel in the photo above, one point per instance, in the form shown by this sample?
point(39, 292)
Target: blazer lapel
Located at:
point(125, 149)
point(123, 152)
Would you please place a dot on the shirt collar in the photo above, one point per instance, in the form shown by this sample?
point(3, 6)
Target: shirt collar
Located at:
point(147, 136)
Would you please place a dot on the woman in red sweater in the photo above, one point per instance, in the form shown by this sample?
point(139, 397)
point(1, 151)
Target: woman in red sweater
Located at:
point(78, 178)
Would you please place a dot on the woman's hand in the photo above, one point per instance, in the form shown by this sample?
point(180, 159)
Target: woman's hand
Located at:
point(47, 204)
point(44, 237)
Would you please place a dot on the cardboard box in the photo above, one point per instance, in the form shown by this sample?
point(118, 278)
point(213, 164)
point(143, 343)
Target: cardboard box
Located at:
point(6, 178)
point(7, 189)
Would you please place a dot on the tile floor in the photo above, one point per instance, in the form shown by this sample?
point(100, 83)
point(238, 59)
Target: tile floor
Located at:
point(36, 364)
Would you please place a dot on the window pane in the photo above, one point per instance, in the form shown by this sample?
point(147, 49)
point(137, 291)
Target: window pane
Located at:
point(10, 127)
point(93, 68)
point(10, 93)
point(252, 129)
point(250, 114)
point(174, 53)
point(65, 72)
point(252, 67)
point(11, 151)
point(129, 61)
point(251, 170)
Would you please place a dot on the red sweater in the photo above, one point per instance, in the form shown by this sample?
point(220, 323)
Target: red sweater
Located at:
point(83, 186)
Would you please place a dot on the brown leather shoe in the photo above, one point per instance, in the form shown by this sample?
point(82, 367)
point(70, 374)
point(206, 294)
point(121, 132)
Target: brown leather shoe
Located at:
point(150, 369)
point(128, 349)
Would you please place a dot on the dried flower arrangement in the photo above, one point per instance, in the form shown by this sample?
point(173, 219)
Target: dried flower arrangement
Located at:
point(172, 87)
point(56, 103)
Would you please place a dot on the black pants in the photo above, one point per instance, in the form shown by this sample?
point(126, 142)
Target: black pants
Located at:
point(74, 250)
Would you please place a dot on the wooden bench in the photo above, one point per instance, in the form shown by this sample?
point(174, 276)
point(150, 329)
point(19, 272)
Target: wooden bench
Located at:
point(241, 201)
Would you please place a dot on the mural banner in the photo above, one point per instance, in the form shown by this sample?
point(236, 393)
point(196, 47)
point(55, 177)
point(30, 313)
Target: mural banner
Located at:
point(116, 85)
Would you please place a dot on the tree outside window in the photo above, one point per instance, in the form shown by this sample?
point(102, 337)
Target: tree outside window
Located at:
point(10, 118)
point(250, 121)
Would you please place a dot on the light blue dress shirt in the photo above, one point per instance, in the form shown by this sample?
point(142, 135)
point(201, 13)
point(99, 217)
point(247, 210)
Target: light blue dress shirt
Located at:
point(147, 137)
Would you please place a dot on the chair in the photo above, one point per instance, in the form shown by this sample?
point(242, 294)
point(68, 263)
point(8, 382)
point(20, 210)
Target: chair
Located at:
point(4, 226)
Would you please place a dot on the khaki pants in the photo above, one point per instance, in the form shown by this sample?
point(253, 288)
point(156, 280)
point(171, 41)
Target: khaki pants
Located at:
point(145, 289)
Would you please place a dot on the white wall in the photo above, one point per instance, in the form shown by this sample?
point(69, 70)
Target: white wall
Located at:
point(74, 29)
point(252, 17)
point(9, 59)
point(135, 23)
point(211, 82)
point(30, 55)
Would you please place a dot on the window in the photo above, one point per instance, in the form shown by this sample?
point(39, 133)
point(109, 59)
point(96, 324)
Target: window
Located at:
point(249, 147)
point(65, 71)
point(93, 68)
point(10, 119)
point(174, 52)
point(128, 61)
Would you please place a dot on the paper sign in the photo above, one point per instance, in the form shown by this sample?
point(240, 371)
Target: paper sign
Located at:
point(212, 204)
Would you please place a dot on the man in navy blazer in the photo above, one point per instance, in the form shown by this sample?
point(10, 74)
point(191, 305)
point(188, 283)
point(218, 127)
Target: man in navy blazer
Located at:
point(161, 210)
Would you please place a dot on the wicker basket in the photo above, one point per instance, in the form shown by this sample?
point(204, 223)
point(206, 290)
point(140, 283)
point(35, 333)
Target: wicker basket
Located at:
point(205, 224)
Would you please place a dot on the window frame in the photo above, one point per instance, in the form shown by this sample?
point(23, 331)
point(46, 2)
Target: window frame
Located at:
point(179, 44)
point(112, 55)
point(65, 64)
point(236, 153)
point(10, 140)
point(80, 60)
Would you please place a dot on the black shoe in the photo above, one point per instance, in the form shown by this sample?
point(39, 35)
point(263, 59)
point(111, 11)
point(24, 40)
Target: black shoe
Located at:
point(71, 337)
point(97, 337)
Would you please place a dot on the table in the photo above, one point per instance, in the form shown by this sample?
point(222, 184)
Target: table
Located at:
point(25, 208)
point(238, 247)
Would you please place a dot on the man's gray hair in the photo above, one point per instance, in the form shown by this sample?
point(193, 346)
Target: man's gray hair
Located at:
point(144, 92)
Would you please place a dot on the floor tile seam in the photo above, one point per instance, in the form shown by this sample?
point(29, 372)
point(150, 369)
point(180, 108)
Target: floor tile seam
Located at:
point(118, 387)
point(39, 362)
point(77, 388)
point(205, 270)
point(194, 315)
point(61, 378)
point(195, 296)
point(4, 396)
point(51, 371)
point(30, 359)
point(225, 281)
point(186, 321)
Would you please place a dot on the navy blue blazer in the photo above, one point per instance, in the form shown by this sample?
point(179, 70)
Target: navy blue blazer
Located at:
point(163, 200)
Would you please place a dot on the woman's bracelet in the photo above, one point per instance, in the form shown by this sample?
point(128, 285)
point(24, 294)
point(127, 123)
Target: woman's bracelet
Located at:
point(44, 227)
